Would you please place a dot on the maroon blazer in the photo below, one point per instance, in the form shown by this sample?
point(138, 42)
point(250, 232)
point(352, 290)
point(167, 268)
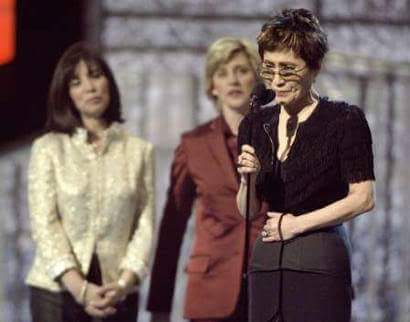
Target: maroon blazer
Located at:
point(202, 172)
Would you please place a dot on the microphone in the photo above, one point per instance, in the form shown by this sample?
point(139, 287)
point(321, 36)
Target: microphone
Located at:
point(260, 96)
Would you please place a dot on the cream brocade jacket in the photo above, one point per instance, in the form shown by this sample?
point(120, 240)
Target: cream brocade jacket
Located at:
point(83, 202)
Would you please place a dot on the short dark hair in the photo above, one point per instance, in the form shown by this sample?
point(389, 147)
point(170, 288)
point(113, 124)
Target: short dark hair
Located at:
point(298, 30)
point(62, 116)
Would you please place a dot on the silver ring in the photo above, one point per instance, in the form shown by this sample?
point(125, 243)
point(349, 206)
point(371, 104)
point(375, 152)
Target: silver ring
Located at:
point(265, 233)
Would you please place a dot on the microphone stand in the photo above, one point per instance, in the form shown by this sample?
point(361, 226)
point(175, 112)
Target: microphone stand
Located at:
point(254, 106)
point(260, 96)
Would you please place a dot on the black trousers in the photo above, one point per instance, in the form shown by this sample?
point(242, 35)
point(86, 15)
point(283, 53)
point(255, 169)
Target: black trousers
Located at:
point(306, 297)
point(49, 306)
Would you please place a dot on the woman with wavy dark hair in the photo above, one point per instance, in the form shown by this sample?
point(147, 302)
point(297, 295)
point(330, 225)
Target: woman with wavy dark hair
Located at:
point(91, 199)
point(311, 160)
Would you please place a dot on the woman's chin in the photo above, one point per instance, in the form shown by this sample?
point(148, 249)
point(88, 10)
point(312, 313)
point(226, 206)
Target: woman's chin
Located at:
point(95, 112)
point(237, 105)
point(284, 100)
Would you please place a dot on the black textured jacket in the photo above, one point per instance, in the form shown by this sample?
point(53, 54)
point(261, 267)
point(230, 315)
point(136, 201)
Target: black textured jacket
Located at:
point(333, 148)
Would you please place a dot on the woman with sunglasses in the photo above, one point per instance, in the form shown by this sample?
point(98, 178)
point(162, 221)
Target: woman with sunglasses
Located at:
point(311, 160)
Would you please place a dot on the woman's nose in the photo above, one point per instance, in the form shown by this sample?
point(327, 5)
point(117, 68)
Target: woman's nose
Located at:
point(233, 78)
point(88, 84)
point(277, 80)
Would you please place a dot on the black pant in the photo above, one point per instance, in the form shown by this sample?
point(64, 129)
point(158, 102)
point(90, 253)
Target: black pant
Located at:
point(306, 297)
point(49, 306)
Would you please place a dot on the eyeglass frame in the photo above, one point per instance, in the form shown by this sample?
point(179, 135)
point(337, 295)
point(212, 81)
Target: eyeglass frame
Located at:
point(272, 71)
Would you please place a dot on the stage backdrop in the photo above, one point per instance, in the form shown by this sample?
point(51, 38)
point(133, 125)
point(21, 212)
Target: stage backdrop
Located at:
point(156, 49)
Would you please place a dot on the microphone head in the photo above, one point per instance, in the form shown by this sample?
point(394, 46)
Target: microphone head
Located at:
point(262, 94)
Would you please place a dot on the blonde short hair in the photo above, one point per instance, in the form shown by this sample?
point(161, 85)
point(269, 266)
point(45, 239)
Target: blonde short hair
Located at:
point(222, 51)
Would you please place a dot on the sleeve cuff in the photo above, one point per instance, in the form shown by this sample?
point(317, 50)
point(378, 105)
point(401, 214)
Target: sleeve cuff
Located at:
point(138, 267)
point(58, 266)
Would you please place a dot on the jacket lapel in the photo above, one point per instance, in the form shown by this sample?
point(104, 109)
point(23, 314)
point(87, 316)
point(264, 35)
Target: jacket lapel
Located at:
point(217, 145)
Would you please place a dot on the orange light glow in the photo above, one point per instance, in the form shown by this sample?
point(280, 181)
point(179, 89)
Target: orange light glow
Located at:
point(7, 31)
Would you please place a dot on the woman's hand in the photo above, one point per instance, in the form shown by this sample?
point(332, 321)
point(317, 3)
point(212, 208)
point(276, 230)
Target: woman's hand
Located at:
point(97, 304)
point(248, 162)
point(115, 293)
point(248, 168)
point(289, 226)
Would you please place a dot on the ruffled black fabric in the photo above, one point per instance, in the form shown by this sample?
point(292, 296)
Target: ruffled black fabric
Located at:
point(332, 149)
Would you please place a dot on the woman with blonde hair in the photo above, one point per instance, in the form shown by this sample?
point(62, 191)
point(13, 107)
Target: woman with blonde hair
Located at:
point(204, 172)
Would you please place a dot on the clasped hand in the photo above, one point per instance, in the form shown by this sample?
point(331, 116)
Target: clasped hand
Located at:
point(100, 301)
